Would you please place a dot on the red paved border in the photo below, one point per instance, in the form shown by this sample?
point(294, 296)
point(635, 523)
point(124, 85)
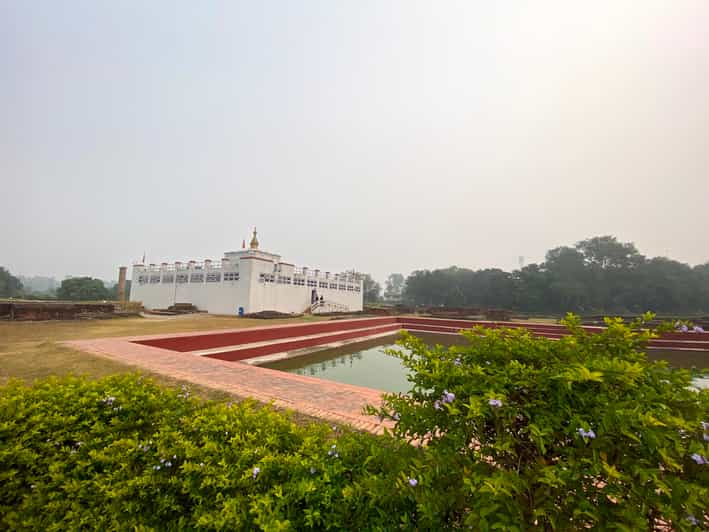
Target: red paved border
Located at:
point(211, 340)
point(244, 353)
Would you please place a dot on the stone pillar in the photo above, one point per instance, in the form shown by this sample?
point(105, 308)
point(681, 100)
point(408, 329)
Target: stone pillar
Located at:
point(122, 283)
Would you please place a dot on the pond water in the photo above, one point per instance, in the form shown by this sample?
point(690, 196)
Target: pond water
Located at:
point(366, 363)
point(362, 364)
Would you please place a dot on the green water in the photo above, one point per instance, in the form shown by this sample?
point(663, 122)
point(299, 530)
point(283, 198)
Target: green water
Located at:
point(362, 366)
point(366, 364)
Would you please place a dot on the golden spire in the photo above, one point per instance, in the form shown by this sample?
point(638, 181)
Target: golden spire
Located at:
point(254, 241)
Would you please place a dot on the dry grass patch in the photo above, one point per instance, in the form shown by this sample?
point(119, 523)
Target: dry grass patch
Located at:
point(31, 350)
point(58, 331)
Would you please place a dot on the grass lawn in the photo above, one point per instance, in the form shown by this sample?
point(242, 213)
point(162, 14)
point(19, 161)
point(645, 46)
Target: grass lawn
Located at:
point(30, 350)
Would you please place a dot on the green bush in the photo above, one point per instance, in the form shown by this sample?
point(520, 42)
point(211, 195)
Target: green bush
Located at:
point(122, 453)
point(519, 433)
point(563, 434)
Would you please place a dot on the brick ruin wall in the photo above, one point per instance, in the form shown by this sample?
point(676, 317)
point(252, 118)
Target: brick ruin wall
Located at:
point(36, 311)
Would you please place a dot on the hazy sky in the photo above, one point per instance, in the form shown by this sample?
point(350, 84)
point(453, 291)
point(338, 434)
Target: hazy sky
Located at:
point(384, 136)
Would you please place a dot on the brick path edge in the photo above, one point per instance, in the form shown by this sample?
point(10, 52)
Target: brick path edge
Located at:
point(326, 400)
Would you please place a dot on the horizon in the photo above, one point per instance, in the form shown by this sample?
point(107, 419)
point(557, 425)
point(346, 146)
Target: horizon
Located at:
point(380, 281)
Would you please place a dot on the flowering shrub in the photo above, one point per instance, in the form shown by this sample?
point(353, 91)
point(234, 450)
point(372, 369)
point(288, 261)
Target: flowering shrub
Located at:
point(519, 433)
point(529, 432)
point(123, 453)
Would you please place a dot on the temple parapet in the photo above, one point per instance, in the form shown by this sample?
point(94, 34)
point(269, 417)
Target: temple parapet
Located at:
point(245, 281)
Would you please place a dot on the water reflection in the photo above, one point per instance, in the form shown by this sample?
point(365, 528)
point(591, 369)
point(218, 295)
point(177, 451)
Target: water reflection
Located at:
point(315, 369)
point(362, 364)
point(366, 364)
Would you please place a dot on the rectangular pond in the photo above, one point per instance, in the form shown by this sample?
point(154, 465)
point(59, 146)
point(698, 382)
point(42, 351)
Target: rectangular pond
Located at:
point(361, 364)
point(367, 364)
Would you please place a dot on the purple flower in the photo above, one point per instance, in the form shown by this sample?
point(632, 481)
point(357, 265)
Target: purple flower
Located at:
point(255, 472)
point(699, 459)
point(584, 434)
point(448, 397)
point(495, 402)
point(693, 520)
point(437, 405)
point(706, 437)
point(396, 416)
point(704, 425)
point(698, 329)
point(413, 482)
point(683, 328)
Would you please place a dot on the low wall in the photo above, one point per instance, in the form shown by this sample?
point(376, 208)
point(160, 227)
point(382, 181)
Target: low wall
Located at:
point(261, 334)
point(303, 343)
point(248, 343)
point(50, 310)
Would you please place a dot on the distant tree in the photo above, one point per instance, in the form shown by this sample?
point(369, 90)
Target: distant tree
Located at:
point(113, 291)
point(607, 253)
point(394, 287)
point(532, 288)
point(666, 284)
point(597, 275)
point(423, 287)
point(38, 285)
point(372, 289)
point(701, 281)
point(83, 289)
point(10, 286)
point(569, 280)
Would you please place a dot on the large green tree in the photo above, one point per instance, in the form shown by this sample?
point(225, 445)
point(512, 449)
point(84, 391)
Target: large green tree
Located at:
point(394, 286)
point(372, 289)
point(10, 286)
point(596, 275)
point(83, 289)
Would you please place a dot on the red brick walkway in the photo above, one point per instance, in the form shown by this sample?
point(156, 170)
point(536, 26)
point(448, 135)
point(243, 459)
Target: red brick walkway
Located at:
point(340, 403)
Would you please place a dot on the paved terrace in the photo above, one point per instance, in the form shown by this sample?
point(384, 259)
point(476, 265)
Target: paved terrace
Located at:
point(331, 401)
point(212, 359)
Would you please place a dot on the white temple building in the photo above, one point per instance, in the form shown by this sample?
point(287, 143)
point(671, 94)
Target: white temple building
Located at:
point(244, 282)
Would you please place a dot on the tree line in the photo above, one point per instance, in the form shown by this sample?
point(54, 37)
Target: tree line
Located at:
point(597, 275)
point(71, 289)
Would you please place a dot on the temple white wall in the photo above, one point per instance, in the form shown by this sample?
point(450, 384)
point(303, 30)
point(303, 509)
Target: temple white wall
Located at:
point(251, 279)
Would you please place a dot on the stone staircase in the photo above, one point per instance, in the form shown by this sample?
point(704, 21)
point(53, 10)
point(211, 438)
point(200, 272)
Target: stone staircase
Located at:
point(326, 307)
